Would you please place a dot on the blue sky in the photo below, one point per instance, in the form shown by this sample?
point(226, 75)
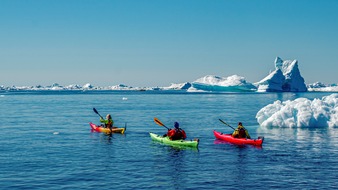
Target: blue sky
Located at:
point(158, 42)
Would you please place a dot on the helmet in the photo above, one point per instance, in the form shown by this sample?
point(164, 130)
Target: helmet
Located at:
point(176, 125)
point(240, 123)
point(108, 116)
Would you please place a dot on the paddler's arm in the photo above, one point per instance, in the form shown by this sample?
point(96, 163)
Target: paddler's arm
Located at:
point(247, 134)
point(235, 132)
point(103, 120)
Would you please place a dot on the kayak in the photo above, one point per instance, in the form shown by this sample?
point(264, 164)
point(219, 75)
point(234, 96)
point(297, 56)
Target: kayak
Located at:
point(106, 130)
point(166, 140)
point(240, 141)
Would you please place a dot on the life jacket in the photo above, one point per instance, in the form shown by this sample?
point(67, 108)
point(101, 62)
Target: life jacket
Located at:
point(177, 134)
point(241, 133)
point(109, 123)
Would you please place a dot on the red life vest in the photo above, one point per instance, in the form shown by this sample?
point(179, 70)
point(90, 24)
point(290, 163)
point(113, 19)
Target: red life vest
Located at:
point(176, 134)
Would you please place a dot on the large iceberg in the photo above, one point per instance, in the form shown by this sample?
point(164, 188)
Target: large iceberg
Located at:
point(300, 112)
point(232, 83)
point(285, 78)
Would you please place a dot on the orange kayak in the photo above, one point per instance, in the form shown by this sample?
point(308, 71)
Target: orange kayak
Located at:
point(106, 130)
point(239, 141)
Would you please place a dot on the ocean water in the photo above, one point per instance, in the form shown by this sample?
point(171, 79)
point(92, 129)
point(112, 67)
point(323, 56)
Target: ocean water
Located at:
point(46, 143)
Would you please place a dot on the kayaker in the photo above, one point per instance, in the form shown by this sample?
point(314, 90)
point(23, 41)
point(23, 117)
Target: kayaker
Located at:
point(108, 122)
point(241, 132)
point(177, 133)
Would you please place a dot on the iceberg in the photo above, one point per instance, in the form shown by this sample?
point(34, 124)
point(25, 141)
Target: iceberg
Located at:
point(179, 86)
point(272, 83)
point(73, 87)
point(300, 112)
point(320, 87)
point(232, 83)
point(87, 86)
point(120, 87)
point(285, 78)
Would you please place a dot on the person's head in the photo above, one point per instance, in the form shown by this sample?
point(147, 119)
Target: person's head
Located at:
point(176, 125)
point(108, 116)
point(240, 123)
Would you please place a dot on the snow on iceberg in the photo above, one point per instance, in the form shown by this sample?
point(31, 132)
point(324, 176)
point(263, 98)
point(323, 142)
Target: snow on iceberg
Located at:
point(232, 83)
point(285, 78)
point(300, 112)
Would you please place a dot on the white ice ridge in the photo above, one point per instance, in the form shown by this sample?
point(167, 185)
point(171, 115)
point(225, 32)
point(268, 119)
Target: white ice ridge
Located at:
point(300, 112)
point(233, 80)
point(216, 83)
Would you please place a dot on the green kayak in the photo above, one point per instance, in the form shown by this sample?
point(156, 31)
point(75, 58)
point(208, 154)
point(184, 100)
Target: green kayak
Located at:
point(166, 140)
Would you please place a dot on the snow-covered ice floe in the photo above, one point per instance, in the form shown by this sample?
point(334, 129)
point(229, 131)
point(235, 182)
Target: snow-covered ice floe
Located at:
point(232, 83)
point(300, 112)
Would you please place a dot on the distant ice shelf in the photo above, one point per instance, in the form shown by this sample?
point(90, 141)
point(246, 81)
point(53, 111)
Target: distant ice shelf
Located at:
point(285, 78)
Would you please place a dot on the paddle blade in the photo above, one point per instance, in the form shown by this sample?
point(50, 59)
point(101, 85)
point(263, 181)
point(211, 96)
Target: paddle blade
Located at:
point(97, 112)
point(226, 124)
point(222, 121)
point(158, 122)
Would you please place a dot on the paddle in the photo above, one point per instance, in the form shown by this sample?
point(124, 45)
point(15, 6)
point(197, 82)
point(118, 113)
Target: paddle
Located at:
point(97, 112)
point(158, 122)
point(226, 124)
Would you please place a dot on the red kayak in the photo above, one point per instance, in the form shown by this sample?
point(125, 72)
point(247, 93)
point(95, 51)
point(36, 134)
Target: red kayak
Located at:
point(239, 141)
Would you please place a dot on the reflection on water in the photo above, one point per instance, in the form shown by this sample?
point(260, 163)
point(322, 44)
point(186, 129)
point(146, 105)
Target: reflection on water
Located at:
point(300, 134)
point(177, 147)
point(217, 142)
point(177, 163)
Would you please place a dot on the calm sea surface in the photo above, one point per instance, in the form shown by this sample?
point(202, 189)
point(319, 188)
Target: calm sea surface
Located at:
point(46, 143)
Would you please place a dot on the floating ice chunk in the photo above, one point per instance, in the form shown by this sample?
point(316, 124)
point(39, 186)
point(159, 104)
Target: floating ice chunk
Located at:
point(300, 112)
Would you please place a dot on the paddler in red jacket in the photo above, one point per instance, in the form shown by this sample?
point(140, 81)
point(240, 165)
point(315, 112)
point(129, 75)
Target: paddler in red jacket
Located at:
point(177, 133)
